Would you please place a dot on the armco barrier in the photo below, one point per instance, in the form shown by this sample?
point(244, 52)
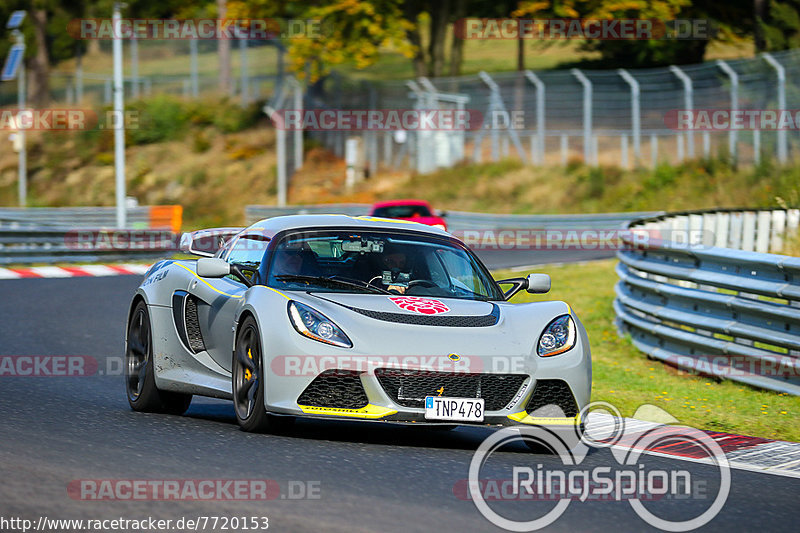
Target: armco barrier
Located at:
point(56, 245)
point(462, 220)
point(142, 217)
point(704, 294)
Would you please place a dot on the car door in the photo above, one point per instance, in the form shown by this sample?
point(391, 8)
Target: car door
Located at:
point(215, 301)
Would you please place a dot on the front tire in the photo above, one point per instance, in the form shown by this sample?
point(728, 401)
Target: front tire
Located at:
point(248, 383)
point(140, 382)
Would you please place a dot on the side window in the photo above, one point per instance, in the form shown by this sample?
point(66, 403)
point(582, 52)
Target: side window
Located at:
point(248, 251)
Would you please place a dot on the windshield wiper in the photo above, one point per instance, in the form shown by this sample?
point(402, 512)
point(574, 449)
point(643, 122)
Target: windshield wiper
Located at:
point(332, 280)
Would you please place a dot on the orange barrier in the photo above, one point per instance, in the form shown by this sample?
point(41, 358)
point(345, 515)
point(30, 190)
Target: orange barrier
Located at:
point(166, 216)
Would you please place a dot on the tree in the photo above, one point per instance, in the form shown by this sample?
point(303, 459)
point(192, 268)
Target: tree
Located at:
point(780, 25)
point(731, 21)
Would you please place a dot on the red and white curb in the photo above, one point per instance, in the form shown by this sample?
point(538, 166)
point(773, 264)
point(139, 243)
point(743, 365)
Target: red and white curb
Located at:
point(742, 452)
point(73, 271)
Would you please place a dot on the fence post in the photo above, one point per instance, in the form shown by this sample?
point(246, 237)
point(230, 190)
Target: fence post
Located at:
point(688, 93)
point(193, 66)
point(636, 117)
point(540, 117)
point(734, 102)
point(496, 105)
point(372, 144)
point(79, 78)
point(564, 149)
point(781, 72)
point(587, 115)
point(654, 150)
point(756, 146)
point(706, 144)
point(243, 74)
point(623, 140)
point(298, 132)
point(134, 66)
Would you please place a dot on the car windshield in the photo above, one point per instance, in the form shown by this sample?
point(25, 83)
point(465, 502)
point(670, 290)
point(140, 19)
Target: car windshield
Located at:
point(379, 262)
point(402, 211)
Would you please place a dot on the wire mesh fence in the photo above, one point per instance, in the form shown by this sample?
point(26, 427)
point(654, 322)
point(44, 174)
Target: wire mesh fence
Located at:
point(612, 117)
point(181, 67)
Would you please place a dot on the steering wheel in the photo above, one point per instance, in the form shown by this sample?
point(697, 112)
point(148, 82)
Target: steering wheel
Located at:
point(425, 283)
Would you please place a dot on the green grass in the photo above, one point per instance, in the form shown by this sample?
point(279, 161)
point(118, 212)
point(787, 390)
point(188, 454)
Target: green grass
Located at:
point(510, 187)
point(624, 377)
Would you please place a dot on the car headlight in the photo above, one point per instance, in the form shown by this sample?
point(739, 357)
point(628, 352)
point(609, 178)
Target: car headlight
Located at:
point(558, 337)
point(317, 326)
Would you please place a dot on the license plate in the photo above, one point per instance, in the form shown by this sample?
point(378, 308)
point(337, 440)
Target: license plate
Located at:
point(457, 409)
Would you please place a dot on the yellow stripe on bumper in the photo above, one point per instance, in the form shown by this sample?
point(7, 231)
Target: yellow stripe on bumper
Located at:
point(368, 411)
point(524, 418)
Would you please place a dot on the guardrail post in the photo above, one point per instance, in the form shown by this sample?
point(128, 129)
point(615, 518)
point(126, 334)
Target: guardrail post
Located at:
point(538, 157)
point(636, 116)
point(587, 115)
point(688, 101)
point(781, 72)
point(734, 102)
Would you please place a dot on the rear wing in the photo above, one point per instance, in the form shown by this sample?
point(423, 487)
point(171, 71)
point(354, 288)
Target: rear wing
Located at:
point(206, 242)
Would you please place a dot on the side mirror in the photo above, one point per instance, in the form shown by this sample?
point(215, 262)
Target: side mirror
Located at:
point(442, 214)
point(212, 267)
point(538, 283)
point(534, 284)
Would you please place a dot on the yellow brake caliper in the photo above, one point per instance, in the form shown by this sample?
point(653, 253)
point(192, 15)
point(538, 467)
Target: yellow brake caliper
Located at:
point(247, 373)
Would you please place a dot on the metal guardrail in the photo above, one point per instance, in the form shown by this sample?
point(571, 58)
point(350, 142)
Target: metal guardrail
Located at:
point(141, 217)
point(75, 234)
point(38, 245)
point(463, 220)
point(699, 291)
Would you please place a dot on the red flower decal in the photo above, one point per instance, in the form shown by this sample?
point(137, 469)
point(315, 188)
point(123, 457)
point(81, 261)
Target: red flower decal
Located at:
point(416, 304)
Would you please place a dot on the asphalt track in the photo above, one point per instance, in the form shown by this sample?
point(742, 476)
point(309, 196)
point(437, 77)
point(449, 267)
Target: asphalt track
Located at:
point(372, 477)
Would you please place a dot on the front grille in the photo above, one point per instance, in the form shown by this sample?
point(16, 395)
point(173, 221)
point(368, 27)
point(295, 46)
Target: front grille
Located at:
point(552, 398)
point(410, 387)
point(335, 388)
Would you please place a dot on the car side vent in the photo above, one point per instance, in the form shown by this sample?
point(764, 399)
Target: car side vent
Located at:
point(187, 322)
point(193, 326)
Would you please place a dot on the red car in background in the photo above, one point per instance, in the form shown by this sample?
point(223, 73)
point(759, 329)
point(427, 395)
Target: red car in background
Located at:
point(413, 210)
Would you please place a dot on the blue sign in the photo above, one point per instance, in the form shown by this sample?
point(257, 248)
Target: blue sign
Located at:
point(15, 21)
point(13, 62)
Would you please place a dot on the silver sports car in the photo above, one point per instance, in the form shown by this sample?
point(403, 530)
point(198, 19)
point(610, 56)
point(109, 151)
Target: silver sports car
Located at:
point(331, 316)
